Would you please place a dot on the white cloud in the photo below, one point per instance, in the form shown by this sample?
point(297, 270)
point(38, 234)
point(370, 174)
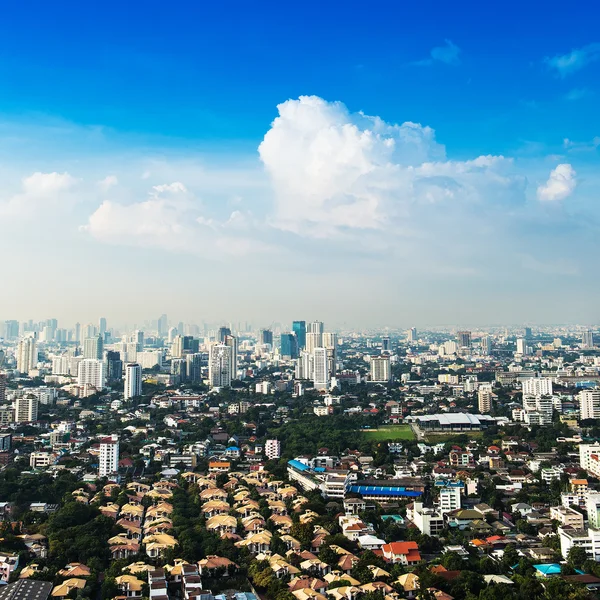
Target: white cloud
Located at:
point(449, 54)
point(40, 192)
point(590, 146)
point(578, 58)
point(560, 185)
point(108, 182)
point(334, 171)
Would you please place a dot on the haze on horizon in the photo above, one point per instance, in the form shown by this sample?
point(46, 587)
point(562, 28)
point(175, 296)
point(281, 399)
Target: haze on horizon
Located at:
point(214, 165)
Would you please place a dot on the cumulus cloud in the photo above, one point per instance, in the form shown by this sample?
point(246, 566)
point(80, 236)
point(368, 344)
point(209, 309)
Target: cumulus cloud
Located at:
point(108, 182)
point(169, 218)
point(560, 185)
point(577, 59)
point(449, 54)
point(41, 192)
point(335, 171)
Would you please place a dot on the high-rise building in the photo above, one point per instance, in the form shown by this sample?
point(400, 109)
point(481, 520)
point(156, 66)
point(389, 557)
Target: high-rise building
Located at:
point(330, 344)
point(411, 335)
point(304, 366)
point(177, 347)
point(114, 366)
point(93, 347)
point(26, 408)
point(265, 337)
point(528, 335)
point(223, 333)
point(486, 345)
point(232, 342)
point(27, 355)
point(2, 388)
point(587, 339)
point(299, 328)
point(592, 506)
point(102, 326)
point(589, 404)
point(537, 386)
point(385, 344)
point(109, 456)
point(77, 333)
point(133, 381)
point(178, 370)
point(11, 329)
point(163, 326)
point(273, 449)
point(219, 366)
point(484, 398)
point(463, 339)
point(194, 367)
point(522, 346)
point(321, 377)
point(381, 369)
point(289, 345)
point(91, 371)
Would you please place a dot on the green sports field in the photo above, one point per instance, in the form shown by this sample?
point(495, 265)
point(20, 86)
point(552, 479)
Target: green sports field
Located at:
point(389, 432)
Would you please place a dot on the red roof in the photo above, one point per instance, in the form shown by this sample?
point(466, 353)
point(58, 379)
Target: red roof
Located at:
point(408, 549)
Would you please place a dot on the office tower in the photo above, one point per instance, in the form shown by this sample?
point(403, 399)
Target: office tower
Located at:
point(93, 347)
point(223, 333)
point(11, 330)
point(521, 346)
point(190, 344)
point(330, 344)
point(589, 404)
point(273, 449)
point(219, 366)
point(537, 386)
point(27, 355)
point(289, 345)
point(102, 326)
point(528, 335)
point(109, 456)
point(381, 369)
point(194, 367)
point(177, 347)
point(484, 398)
point(411, 334)
point(89, 331)
point(163, 326)
point(464, 339)
point(321, 377)
point(231, 341)
point(385, 344)
point(486, 345)
point(178, 370)
point(265, 337)
point(2, 388)
point(114, 366)
point(77, 333)
point(91, 371)
point(133, 381)
point(26, 409)
point(587, 339)
point(304, 366)
point(299, 328)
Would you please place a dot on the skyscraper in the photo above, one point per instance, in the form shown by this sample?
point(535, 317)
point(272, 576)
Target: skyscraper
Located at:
point(223, 333)
point(194, 367)
point(26, 408)
point(528, 335)
point(299, 328)
point(321, 378)
point(109, 456)
point(77, 333)
point(2, 388)
point(102, 326)
point(162, 326)
point(484, 398)
point(463, 339)
point(91, 371)
point(589, 404)
point(587, 339)
point(486, 345)
point(411, 334)
point(27, 355)
point(314, 336)
point(11, 329)
point(381, 369)
point(219, 366)
point(266, 337)
point(133, 381)
point(177, 347)
point(114, 366)
point(330, 344)
point(232, 342)
point(289, 345)
point(93, 347)
point(385, 344)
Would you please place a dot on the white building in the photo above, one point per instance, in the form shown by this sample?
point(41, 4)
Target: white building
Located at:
point(321, 378)
point(41, 460)
point(537, 386)
point(589, 404)
point(92, 371)
point(589, 458)
point(427, 520)
point(150, 358)
point(26, 409)
point(273, 449)
point(232, 342)
point(109, 456)
point(380, 369)
point(219, 366)
point(93, 347)
point(589, 540)
point(592, 505)
point(450, 496)
point(27, 355)
point(133, 381)
point(484, 398)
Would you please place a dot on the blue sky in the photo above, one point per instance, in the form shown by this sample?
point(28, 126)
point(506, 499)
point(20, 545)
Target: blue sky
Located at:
point(153, 113)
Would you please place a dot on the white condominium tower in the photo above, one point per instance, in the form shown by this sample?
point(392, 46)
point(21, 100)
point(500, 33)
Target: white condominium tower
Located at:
point(91, 371)
point(589, 404)
point(109, 456)
point(314, 336)
point(93, 347)
point(380, 369)
point(26, 355)
point(232, 342)
point(219, 366)
point(133, 381)
point(26, 409)
point(321, 377)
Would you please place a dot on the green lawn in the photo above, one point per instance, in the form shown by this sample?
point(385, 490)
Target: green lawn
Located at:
point(389, 432)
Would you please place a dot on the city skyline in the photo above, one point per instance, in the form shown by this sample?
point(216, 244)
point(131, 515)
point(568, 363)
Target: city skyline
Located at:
point(431, 176)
